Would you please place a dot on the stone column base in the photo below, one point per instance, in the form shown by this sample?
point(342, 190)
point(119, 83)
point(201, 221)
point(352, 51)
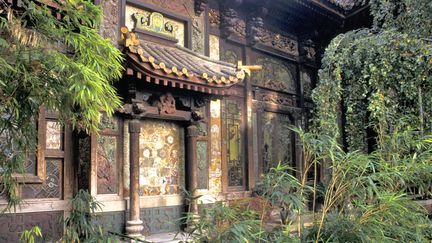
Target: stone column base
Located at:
point(134, 228)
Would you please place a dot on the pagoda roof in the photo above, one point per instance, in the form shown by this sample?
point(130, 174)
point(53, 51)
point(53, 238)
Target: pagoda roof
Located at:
point(179, 67)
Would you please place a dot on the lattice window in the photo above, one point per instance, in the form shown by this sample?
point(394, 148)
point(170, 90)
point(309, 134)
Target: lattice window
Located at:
point(47, 165)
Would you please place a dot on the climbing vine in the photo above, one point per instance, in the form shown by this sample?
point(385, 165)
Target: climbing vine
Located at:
point(381, 78)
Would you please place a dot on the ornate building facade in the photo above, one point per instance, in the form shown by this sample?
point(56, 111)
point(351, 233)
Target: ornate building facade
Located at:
point(210, 89)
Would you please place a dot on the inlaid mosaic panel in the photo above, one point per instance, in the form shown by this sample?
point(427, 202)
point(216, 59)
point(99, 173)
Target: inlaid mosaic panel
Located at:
point(274, 75)
point(107, 165)
point(233, 117)
point(179, 29)
point(51, 187)
point(53, 135)
point(277, 145)
point(215, 167)
point(203, 169)
point(162, 158)
point(126, 163)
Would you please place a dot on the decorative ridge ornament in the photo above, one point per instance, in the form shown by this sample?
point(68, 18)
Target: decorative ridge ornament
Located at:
point(248, 68)
point(180, 62)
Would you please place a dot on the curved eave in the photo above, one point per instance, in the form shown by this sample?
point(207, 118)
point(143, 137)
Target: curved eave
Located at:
point(146, 72)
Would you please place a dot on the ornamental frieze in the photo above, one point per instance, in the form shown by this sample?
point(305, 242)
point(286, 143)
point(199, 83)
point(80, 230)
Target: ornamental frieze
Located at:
point(277, 41)
point(275, 98)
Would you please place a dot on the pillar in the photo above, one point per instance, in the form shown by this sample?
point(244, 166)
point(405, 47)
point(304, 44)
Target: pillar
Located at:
point(192, 179)
point(134, 225)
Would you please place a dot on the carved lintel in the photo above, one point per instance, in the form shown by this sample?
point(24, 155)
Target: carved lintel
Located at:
point(200, 6)
point(166, 104)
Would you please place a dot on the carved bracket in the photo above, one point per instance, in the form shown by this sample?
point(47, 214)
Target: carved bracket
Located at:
point(230, 23)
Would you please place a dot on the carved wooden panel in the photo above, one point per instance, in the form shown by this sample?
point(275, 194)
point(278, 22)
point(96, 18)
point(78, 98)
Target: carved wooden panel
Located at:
point(306, 83)
point(275, 98)
point(12, 225)
point(203, 168)
point(198, 34)
point(214, 47)
point(107, 165)
point(276, 140)
point(162, 158)
point(275, 75)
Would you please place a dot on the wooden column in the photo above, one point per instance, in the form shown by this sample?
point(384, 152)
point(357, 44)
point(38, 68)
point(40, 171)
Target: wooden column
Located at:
point(134, 225)
point(192, 179)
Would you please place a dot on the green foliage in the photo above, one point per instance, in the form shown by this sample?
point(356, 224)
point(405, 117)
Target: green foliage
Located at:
point(62, 64)
point(223, 223)
point(381, 76)
point(29, 236)
point(284, 191)
point(80, 226)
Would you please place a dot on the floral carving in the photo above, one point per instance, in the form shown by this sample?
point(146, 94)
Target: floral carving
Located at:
point(166, 104)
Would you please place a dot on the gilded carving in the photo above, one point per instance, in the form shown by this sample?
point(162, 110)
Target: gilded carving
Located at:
point(214, 18)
